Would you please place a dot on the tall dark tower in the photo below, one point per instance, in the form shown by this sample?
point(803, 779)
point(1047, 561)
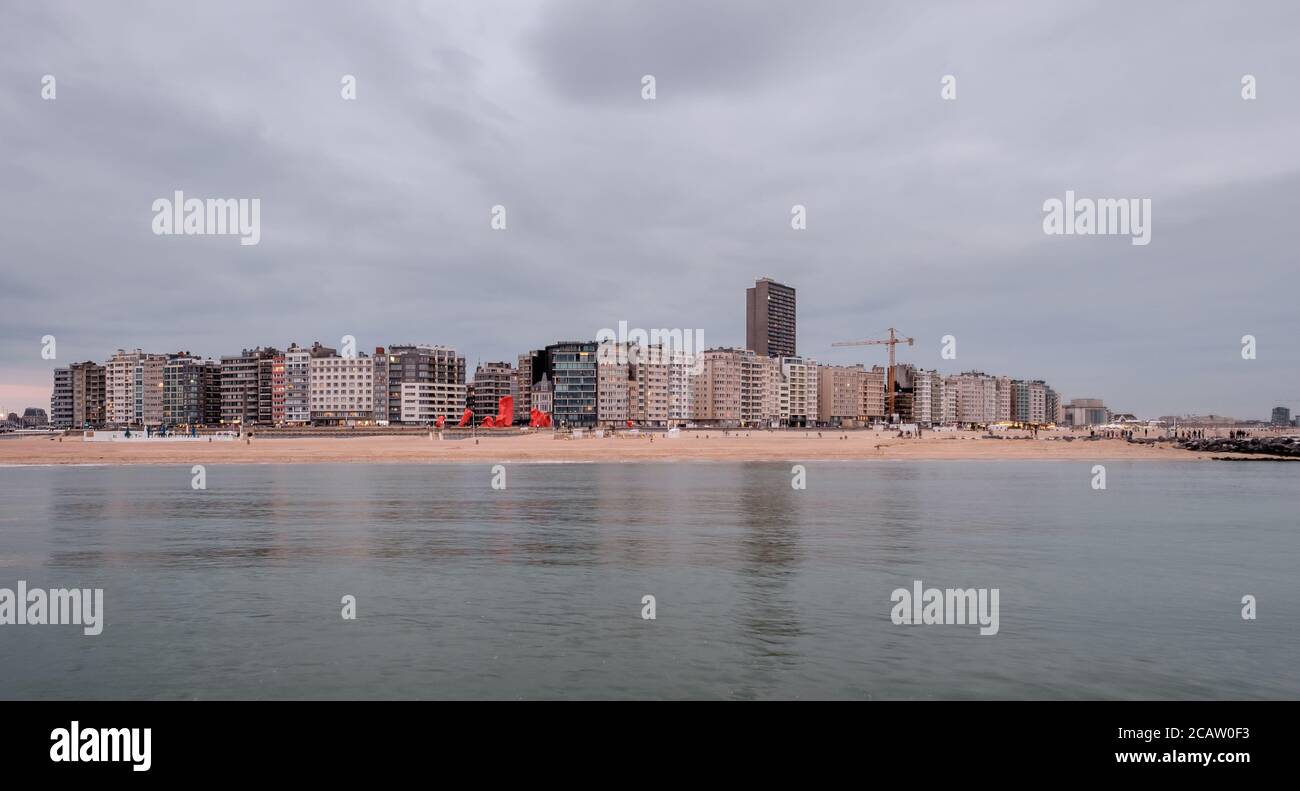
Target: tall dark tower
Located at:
point(770, 318)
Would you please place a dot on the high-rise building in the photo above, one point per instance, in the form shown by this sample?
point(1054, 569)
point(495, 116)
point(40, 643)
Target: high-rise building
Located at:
point(438, 365)
point(425, 402)
point(649, 398)
point(297, 409)
point(341, 390)
point(613, 376)
point(799, 399)
point(770, 318)
point(873, 394)
point(840, 394)
point(571, 367)
point(973, 398)
point(191, 390)
point(1029, 401)
point(133, 388)
point(523, 388)
point(927, 397)
point(1281, 416)
point(247, 389)
point(492, 382)
point(719, 387)
point(78, 397)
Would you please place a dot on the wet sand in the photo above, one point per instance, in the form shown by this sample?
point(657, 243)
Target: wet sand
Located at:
point(701, 445)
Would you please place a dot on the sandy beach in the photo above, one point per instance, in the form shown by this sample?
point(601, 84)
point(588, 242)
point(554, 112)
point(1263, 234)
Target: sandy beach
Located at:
point(702, 446)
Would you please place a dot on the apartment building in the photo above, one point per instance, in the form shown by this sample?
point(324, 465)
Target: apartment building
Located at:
point(424, 402)
point(133, 385)
point(523, 388)
point(799, 392)
point(492, 382)
point(1029, 401)
point(770, 319)
point(297, 409)
point(420, 363)
point(613, 378)
point(974, 398)
point(649, 397)
point(928, 398)
point(191, 391)
point(247, 392)
point(840, 394)
point(341, 390)
point(874, 404)
point(78, 397)
point(571, 368)
point(718, 387)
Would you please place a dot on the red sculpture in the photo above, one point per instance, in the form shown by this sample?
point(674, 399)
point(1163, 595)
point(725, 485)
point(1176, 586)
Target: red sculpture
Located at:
point(505, 412)
point(466, 418)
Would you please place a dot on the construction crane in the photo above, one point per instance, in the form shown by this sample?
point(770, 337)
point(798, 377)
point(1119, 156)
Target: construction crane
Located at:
point(892, 341)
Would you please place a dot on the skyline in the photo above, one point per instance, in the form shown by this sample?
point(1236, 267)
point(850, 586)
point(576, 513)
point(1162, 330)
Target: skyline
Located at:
point(375, 212)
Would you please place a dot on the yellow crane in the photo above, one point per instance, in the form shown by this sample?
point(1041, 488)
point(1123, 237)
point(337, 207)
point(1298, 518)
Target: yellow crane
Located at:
point(892, 341)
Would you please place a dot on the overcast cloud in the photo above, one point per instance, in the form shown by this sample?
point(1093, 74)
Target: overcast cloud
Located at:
point(923, 214)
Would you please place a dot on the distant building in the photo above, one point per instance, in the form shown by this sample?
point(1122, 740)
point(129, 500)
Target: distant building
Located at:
point(571, 367)
point(133, 389)
point(840, 394)
point(523, 388)
point(341, 390)
point(718, 389)
point(1086, 412)
point(1281, 416)
point(78, 397)
point(1029, 402)
point(541, 395)
point(191, 391)
point(247, 386)
point(799, 399)
point(425, 402)
point(297, 409)
point(437, 365)
point(770, 319)
point(973, 397)
point(492, 382)
point(34, 417)
point(613, 375)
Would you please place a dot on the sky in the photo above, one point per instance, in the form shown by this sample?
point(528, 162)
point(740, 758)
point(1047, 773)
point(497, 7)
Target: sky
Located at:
point(922, 213)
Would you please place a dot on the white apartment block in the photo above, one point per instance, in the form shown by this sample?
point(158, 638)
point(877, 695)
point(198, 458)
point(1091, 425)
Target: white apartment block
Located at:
point(612, 381)
point(1003, 409)
point(874, 384)
point(799, 391)
point(297, 409)
point(649, 400)
point(973, 396)
point(133, 388)
point(681, 386)
point(340, 390)
point(928, 398)
point(425, 402)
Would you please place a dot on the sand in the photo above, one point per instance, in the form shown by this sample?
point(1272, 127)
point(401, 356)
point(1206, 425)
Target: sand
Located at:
point(702, 446)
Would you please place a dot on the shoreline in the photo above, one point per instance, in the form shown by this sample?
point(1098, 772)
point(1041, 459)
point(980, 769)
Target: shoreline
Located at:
point(694, 446)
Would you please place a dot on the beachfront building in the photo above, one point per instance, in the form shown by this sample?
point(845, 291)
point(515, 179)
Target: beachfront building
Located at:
point(799, 392)
point(340, 390)
point(973, 398)
point(541, 396)
point(648, 399)
point(437, 365)
point(571, 368)
point(523, 388)
point(874, 403)
point(1029, 401)
point(718, 387)
point(492, 382)
point(246, 386)
point(191, 391)
point(840, 394)
point(1281, 416)
point(78, 397)
point(297, 411)
point(682, 379)
point(133, 388)
point(770, 319)
point(927, 397)
point(612, 383)
point(425, 402)
point(1081, 412)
